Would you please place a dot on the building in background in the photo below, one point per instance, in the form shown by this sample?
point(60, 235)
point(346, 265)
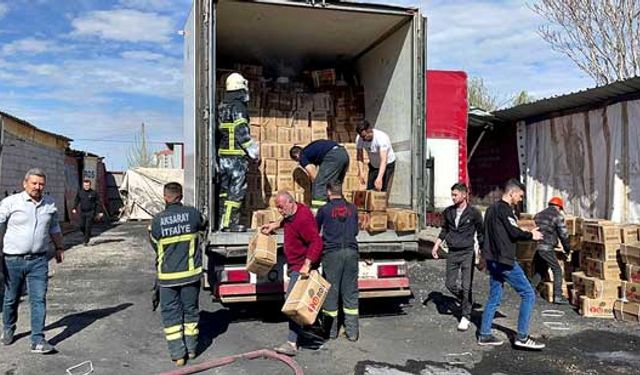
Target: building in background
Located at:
point(24, 146)
point(170, 158)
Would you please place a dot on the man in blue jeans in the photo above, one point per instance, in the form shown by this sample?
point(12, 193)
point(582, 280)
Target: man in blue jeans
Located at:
point(29, 219)
point(501, 234)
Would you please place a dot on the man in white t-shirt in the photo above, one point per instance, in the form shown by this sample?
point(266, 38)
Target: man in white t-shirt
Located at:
point(382, 160)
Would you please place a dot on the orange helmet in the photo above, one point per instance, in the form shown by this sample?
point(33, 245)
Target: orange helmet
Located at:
point(557, 201)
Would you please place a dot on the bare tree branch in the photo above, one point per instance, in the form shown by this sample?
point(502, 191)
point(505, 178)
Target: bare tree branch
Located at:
point(602, 37)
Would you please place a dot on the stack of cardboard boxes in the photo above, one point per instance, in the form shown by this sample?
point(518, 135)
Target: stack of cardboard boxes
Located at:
point(283, 114)
point(374, 215)
point(628, 308)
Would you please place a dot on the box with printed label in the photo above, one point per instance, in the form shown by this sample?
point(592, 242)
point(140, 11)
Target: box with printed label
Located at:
point(376, 221)
point(301, 136)
point(632, 273)
point(285, 183)
point(570, 222)
point(631, 291)
point(359, 198)
point(601, 233)
point(601, 251)
point(597, 288)
point(630, 253)
point(401, 220)
point(602, 270)
point(306, 299)
point(627, 311)
point(270, 166)
point(376, 201)
point(578, 287)
point(597, 308)
point(262, 254)
point(284, 135)
point(629, 233)
point(286, 167)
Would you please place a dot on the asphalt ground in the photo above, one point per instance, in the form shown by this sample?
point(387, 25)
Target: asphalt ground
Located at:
point(99, 310)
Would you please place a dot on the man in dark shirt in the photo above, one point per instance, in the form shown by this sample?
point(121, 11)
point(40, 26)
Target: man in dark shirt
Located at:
point(551, 224)
point(332, 161)
point(499, 250)
point(88, 201)
point(462, 232)
point(302, 250)
point(338, 222)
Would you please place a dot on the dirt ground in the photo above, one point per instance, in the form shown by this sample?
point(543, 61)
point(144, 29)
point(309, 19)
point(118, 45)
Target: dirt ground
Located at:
point(99, 310)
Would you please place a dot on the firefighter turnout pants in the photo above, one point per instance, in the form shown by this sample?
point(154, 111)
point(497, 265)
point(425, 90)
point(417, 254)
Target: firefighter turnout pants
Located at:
point(340, 268)
point(232, 187)
point(180, 313)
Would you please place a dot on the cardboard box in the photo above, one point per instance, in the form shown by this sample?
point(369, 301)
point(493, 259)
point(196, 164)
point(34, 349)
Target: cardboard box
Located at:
point(363, 220)
point(630, 291)
point(570, 222)
point(596, 308)
point(269, 150)
point(284, 135)
point(602, 270)
point(401, 220)
point(269, 184)
point(262, 254)
point(601, 251)
point(630, 253)
point(359, 198)
point(376, 201)
point(301, 179)
point(269, 166)
point(601, 289)
point(601, 233)
point(351, 183)
point(301, 136)
point(527, 224)
point(269, 133)
point(627, 311)
point(322, 102)
point(318, 130)
point(575, 242)
point(632, 273)
point(266, 216)
point(629, 233)
point(525, 250)
point(301, 119)
point(322, 78)
point(578, 287)
point(286, 167)
point(256, 132)
point(285, 182)
point(304, 102)
point(376, 221)
point(306, 299)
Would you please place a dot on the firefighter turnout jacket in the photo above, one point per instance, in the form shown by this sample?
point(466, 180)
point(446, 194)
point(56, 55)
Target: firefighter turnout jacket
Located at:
point(235, 138)
point(174, 237)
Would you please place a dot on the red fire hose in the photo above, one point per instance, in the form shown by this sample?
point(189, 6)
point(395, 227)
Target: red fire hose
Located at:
point(262, 353)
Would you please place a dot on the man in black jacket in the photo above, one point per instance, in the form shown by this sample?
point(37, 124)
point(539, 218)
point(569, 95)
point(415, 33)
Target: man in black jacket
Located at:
point(551, 224)
point(499, 251)
point(338, 221)
point(461, 231)
point(89, 202)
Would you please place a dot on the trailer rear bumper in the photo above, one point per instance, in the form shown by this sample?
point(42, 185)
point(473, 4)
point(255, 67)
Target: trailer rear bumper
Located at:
point(369, 288)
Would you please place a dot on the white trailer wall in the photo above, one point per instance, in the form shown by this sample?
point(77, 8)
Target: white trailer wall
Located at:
point(590, 159)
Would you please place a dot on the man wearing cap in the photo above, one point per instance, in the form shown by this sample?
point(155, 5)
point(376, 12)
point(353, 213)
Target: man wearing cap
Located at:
point(550, 222)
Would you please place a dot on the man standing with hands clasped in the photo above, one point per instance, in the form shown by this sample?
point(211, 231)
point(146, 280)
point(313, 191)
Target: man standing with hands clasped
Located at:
point(29, 219)
point(501, 234)
point(302, 250)
point(88, 202)
point(462, 228)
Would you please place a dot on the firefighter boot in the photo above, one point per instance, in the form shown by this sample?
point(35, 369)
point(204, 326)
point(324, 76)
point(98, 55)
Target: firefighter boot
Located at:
point(330, 324)
point(351, 324)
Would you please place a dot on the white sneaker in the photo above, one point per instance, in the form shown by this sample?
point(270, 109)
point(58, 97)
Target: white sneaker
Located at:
point(464, 324)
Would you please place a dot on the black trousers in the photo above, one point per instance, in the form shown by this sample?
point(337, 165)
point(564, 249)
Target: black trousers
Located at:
point(340, 268)
point(332, 169)
point(461, 262)
point(543, 260)
point(373, 174)
point(86, 223)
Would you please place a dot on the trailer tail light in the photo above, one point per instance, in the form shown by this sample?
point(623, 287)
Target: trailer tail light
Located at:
point(235, 276)
point(392, 270)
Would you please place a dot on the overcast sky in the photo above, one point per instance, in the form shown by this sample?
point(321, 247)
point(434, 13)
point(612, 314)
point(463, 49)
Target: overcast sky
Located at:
point(94, 70)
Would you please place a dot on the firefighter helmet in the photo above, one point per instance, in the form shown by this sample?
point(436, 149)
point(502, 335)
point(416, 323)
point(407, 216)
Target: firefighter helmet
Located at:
point(557, 201)
point(235, 81)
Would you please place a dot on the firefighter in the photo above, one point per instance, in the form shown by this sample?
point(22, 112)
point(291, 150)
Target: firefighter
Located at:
point(338, 222)
point(551, 224)
point(174, 237)
point(332, 161)
point(235, 149)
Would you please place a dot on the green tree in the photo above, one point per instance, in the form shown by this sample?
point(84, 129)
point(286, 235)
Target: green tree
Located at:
point(479, 95)
point(522, 97)
point(139, 154)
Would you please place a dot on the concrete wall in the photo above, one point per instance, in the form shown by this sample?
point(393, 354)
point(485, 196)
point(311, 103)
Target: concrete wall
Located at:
point(25, 147)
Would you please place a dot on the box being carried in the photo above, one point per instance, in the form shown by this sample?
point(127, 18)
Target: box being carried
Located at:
point(306, 299)
point(262, 254)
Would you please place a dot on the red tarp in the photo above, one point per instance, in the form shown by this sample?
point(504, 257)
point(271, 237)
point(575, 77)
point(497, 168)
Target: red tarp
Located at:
point(447, 111)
